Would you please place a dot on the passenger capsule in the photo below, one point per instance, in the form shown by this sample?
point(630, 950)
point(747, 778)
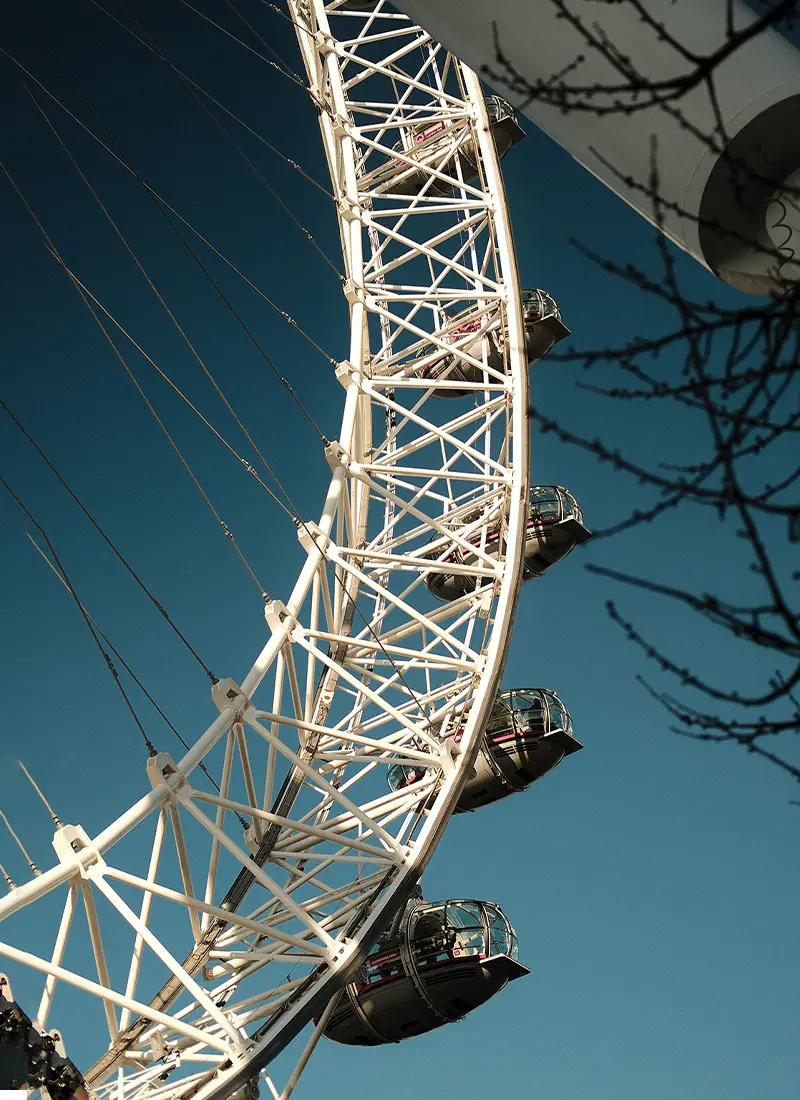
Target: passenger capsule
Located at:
point(528, 733)
point(437, 962)
point(445, 147)
point(482, 337)
point(554, 528)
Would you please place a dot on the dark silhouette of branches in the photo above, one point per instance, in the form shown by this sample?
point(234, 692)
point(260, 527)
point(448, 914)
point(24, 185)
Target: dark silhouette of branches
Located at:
point(726, 381)
point(738, 387)
point(628, 88)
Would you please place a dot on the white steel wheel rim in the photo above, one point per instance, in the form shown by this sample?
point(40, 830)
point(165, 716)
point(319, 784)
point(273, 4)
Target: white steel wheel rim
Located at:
point(416, 665)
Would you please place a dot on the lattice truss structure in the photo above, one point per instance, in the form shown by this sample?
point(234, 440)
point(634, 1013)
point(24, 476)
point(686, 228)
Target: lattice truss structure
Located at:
point(204, 928)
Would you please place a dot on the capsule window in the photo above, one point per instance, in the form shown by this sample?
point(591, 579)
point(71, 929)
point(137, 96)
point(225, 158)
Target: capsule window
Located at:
point(558, 719)
point(503, 940)
point(498, 935)
point(429, 937)
point(465, 922)
point(529, 713)
point(499, 721)
point(552, 503)
point(545, 511)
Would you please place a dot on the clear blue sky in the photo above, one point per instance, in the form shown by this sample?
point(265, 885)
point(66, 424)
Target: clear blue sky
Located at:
point(652, 881)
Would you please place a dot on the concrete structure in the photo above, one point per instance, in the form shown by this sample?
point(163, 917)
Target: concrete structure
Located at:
point(727, 206)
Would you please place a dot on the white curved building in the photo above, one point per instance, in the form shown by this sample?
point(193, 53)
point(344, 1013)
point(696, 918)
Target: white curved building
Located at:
point(727, 205)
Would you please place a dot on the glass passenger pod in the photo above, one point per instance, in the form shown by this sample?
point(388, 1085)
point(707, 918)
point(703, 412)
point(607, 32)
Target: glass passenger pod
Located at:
point(441, 962)
point(544, 326)
point(529, 732)
point(554, 528)
point(442, 145)
point(482, 336)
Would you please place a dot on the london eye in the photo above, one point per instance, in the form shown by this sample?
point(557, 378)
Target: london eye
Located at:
point(265, 885)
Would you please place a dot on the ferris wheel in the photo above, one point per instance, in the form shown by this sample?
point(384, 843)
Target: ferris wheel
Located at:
point(267, 882)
